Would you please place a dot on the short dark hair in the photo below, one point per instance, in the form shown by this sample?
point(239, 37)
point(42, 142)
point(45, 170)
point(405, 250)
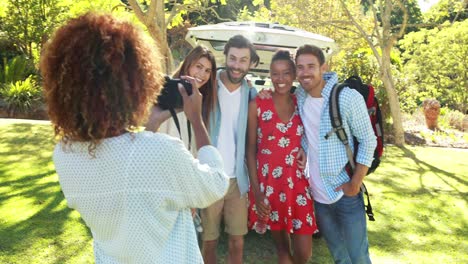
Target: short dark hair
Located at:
point(284, 55)
point(313, 50)
point(241, 42)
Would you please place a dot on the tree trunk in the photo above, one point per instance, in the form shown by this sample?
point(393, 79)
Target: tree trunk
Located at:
point(392, 95)
point(161, 41)
point(154, 20)
point(160, 22)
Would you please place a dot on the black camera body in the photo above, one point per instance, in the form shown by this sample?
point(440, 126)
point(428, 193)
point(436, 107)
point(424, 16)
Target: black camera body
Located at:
point(170, 97)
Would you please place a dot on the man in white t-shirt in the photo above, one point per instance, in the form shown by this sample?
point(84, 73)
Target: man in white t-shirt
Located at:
point(227, 127)
point(338, 202)
point(339, 205)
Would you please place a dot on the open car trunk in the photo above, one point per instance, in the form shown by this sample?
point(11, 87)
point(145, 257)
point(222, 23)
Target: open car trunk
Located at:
point(267, 38)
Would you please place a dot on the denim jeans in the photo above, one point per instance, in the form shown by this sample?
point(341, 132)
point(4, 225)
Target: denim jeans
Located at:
point(343, 225)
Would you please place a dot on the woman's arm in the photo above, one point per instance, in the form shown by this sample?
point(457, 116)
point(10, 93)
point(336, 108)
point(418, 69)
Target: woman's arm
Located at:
point(156, 118)
point(251, 155)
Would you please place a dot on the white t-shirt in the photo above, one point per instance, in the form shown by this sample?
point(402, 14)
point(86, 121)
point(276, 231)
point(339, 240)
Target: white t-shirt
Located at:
point(311, 118)
point(229, 103)
point(136, 195)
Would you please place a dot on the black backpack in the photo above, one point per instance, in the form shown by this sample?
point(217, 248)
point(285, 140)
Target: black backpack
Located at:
point(373, 108)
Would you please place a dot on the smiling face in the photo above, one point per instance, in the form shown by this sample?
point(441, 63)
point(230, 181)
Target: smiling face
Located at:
point(201, 70)
point(282, 76)
point(237, 64)
point(309, 73)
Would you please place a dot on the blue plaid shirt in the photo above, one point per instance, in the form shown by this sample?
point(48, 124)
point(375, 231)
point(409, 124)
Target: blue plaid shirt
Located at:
point(332, 152)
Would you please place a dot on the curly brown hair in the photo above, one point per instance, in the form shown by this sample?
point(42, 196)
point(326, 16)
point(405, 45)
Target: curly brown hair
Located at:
point(100, 76)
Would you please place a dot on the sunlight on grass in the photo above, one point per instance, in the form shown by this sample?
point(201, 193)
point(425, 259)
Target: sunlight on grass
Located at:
point(36, 226)
point(419, 196)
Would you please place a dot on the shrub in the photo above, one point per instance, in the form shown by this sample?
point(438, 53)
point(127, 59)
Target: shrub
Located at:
point(21, 96)
point(451, 118)
point(16, 69)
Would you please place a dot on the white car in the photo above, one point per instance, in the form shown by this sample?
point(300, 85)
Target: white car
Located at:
point(266, 37)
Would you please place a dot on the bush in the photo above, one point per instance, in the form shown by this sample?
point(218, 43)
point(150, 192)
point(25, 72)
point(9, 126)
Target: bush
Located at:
point(16, 69)
point(21, 96)
point(451, 118)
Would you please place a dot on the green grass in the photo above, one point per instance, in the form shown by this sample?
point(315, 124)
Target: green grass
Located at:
point(419, 196)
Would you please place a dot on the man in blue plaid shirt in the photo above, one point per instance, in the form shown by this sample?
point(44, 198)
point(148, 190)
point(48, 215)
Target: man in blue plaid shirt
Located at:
point(339, 204)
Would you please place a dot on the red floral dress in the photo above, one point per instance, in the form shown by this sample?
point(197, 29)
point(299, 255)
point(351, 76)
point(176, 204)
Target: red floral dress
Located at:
point(282, 182)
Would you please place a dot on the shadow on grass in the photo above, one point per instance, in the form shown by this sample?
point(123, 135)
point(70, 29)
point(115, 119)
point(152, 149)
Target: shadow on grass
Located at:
point(440, 173)
point(422, 217)
point(260, 249)
point(414, 216)
point(29, 188)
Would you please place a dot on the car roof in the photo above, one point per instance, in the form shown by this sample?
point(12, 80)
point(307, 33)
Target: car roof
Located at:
point(266, 37)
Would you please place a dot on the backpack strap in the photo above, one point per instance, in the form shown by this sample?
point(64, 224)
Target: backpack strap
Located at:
point(369, 212)
point(337, 122)
point(337, 127)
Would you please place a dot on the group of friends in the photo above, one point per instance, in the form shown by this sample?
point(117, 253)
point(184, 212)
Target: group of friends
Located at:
point(255, 157)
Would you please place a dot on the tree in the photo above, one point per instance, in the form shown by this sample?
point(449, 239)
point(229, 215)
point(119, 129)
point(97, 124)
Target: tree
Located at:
point(158, 16)
point(221, 11)
point(435, 65)
point(28, 23)
point(385, 39)
point(447, 10)
point(155, 22)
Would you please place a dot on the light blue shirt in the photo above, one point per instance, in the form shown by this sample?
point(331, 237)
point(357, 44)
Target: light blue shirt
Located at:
point(332, 152)
point(240, 169)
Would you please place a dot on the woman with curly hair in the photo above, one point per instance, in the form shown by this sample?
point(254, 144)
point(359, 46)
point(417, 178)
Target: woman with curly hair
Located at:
point(134, 190)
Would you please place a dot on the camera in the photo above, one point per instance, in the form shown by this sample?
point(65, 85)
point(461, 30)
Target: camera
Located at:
point(170, 97)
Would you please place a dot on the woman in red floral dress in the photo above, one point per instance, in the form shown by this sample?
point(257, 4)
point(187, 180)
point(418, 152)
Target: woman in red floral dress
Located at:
point(274, 140)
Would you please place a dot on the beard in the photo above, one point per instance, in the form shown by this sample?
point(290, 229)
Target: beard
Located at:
point(233, 79)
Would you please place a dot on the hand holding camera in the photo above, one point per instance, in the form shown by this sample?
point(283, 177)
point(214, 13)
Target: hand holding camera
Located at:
point(170, 97)
point(192, 103)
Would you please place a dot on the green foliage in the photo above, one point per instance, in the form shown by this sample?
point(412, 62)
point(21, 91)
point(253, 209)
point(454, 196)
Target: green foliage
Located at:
point(28, 23)
point(435, 65)
point(360, 62)
point(7, 47)
point(218, 11)
point(447, 11)
point(21, 96)
point(363, 63)
point(16, 69)
point(451, 118)
point(396, 19)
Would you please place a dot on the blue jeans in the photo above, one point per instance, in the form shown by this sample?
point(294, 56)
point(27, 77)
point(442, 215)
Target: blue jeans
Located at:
point(343, 225)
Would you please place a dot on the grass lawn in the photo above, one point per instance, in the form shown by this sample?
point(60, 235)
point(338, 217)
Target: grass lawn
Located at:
point(419, 195)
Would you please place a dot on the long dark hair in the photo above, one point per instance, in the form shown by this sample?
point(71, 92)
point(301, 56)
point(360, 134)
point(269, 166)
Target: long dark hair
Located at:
point(208, 90)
